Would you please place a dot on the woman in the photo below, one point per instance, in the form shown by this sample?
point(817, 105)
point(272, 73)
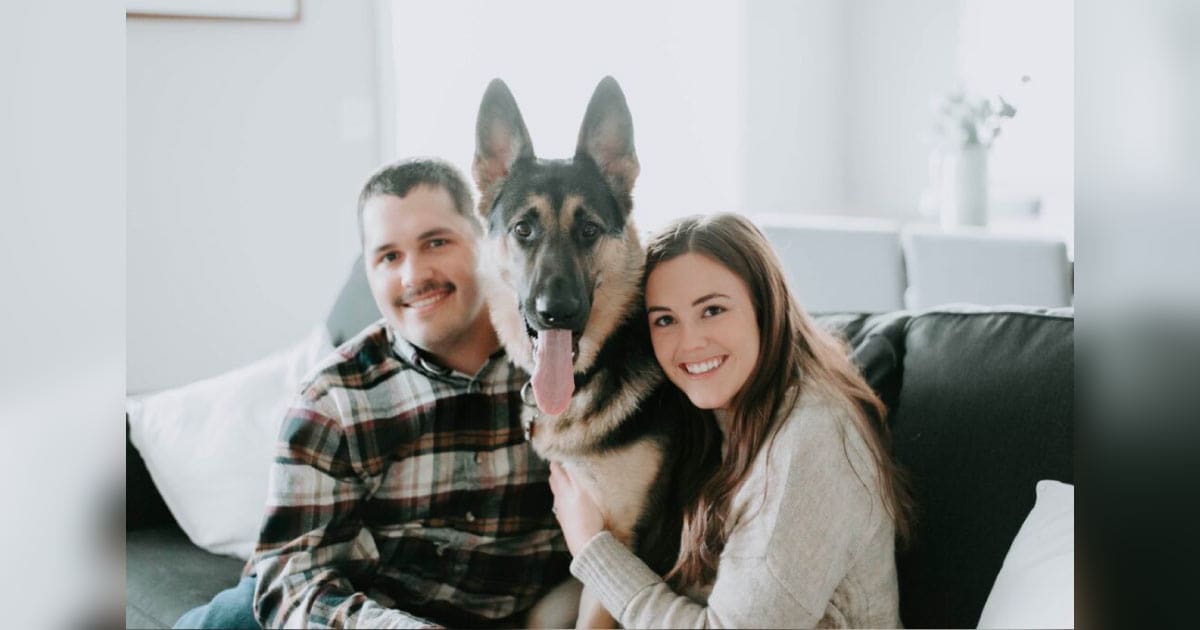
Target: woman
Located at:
point(796, 527)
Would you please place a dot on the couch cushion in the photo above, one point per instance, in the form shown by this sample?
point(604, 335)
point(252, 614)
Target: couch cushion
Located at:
point(876, 346)
point(836, 264)
point(209, 445)
point(986, 410)
point(354, 309)
point(1036, 585)
point(984, 268)
point(166, 575)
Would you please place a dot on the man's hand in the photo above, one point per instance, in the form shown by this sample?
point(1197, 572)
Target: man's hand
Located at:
point(577, 513)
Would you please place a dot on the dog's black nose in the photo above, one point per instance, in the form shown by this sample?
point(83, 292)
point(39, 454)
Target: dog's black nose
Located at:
point(558, 311)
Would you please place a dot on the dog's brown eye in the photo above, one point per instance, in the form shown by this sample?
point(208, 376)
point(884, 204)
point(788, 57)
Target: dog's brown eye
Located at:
point(522, 229)
point(590, 230)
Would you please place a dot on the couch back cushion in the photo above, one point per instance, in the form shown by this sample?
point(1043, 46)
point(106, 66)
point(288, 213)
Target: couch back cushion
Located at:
point(354, 309)
point(837, 266)
point(985, 410)
point(875, 344)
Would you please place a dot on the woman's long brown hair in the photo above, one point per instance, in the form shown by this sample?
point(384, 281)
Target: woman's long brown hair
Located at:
point(790, 345)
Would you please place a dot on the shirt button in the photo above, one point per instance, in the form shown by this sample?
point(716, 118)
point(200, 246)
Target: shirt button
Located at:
point(470, 517)
point(478, 458)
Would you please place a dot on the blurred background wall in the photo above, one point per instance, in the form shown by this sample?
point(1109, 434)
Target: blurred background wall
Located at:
point(247, 141)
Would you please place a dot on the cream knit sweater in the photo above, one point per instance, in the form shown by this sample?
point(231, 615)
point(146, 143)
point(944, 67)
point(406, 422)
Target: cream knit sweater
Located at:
point(812, 545)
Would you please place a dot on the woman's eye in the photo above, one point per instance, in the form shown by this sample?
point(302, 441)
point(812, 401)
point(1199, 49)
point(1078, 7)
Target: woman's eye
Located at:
point(390, 257)
point(665, 320)
point(709, 311)
point(437, 242)
point(522, 229)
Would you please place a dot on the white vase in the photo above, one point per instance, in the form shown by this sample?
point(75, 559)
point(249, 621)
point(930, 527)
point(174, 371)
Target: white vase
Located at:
point(964, 186)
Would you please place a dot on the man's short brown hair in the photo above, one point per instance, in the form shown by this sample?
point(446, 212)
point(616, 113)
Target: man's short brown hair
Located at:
point(400, 177)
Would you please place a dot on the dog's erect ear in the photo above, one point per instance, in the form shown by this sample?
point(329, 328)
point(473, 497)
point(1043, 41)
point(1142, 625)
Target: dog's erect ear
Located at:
point(500, 136)
point(607, 138)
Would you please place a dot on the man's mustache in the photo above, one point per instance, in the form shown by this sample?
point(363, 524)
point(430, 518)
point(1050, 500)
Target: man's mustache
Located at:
point(412, 295)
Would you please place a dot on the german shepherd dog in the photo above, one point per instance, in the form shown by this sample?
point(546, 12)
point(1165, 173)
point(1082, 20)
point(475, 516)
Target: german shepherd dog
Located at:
point(562, 267)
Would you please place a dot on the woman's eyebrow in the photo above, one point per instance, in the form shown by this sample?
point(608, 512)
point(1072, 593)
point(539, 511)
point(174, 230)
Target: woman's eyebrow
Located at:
point(708, 297)
point(696, 302)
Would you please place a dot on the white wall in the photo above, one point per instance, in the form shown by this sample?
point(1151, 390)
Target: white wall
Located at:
point(678, 62)
point(899, 55)
point(247, 144)
point(1000, 43)
point(795, 122)
point(820, 106)
point(838, 102)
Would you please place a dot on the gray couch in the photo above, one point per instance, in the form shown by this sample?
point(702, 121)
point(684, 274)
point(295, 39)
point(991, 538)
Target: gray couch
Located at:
point(981, 407)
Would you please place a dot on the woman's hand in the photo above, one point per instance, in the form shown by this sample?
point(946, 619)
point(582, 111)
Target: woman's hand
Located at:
point(577, 513)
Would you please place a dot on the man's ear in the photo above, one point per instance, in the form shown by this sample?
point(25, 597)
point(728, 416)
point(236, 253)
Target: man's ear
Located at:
point(500, 139)
point(606, 137)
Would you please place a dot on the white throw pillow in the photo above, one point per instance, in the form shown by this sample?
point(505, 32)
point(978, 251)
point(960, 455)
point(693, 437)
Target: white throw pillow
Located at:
point(209, 445)
point(1036, 584)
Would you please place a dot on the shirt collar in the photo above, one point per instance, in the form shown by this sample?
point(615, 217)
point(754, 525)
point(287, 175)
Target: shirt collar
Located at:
point(426, 363)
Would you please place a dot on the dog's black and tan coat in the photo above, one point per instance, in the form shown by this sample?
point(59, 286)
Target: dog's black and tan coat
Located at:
point(562, 270)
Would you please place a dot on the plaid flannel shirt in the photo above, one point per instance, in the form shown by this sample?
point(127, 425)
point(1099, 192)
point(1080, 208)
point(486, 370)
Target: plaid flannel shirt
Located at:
point(404, 493)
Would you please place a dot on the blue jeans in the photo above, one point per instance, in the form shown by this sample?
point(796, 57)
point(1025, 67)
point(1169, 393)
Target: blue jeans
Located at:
point(231, 608)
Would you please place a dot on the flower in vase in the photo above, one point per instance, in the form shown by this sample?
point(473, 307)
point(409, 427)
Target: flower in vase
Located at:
point(962, 119)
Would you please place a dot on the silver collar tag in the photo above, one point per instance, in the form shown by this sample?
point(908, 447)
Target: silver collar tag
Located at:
point(528, 399)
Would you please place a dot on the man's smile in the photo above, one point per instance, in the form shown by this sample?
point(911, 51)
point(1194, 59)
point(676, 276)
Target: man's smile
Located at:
point(428, 300)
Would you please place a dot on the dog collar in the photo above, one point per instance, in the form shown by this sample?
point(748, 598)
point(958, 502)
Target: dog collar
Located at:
point(528, 399)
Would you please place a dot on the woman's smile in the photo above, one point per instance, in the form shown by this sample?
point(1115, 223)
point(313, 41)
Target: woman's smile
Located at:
point(702, 369)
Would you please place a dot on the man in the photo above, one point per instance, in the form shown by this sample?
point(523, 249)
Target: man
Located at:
point(404, 493)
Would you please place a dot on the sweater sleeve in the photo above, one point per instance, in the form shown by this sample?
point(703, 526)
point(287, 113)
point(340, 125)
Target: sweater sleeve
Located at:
point(783, 560)
point(640, 599)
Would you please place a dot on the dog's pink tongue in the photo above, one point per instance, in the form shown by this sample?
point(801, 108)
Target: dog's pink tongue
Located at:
point(553, 376)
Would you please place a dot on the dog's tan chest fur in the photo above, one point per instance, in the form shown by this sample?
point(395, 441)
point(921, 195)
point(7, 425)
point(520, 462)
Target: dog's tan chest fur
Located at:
point(619, 482)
